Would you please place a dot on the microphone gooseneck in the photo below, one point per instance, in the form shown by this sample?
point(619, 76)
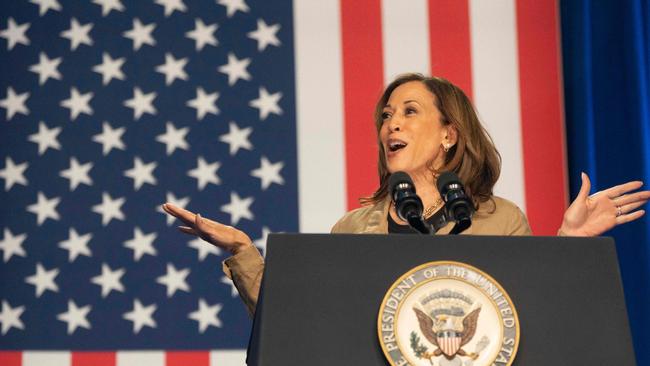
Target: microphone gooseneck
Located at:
point(408, 204)
point(459, 207)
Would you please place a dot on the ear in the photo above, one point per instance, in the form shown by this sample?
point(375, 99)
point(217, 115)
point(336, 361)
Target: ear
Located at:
point(451, 136)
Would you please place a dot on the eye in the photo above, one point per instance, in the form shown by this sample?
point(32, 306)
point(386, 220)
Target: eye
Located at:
point(410, 110)
point(385, 116)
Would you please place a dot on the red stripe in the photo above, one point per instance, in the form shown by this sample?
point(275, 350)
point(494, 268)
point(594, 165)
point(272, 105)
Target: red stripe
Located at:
point(10, 358)
point(449, 37)
point(93, 359)
point(362, 82)
point(184, 358)
point(541, 114)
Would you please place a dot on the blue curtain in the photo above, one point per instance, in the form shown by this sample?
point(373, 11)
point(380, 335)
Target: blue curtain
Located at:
point(606, 59)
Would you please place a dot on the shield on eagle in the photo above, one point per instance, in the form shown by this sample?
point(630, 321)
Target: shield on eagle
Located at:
point(449, 342)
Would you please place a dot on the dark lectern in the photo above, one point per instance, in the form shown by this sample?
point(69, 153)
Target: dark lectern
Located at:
point(321, 295)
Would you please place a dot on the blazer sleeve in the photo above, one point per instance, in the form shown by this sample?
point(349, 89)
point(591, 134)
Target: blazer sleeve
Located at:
point(245, 269)
point(518, 223)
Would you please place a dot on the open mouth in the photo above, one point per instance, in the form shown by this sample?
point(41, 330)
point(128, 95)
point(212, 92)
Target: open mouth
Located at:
point(396, 145)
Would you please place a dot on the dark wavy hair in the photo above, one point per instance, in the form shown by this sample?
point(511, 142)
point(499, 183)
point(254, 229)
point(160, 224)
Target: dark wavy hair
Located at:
point(474, 158)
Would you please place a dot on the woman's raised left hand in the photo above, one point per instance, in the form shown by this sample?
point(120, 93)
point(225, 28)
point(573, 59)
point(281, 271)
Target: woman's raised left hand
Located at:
point(592, 215)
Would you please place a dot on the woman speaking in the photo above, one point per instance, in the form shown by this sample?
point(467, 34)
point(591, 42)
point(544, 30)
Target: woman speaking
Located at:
point(427, 126)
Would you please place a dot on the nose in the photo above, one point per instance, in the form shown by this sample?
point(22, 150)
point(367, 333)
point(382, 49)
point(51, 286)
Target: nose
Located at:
point(395, 123)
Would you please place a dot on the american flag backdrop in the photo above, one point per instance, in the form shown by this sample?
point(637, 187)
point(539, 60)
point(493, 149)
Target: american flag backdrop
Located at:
point(254, 113)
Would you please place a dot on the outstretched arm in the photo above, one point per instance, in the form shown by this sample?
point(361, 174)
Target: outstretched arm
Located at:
point(592, 215)
point(220, 235)
point(246, 265)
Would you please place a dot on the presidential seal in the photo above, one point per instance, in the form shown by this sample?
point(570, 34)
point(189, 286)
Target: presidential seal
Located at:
point(448, 314)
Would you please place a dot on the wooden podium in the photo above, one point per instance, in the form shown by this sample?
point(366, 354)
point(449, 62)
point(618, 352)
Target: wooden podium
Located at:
point(321, 294)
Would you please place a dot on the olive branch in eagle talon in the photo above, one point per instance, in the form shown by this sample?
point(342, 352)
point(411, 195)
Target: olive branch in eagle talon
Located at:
point(418, 348)
point(427, 327)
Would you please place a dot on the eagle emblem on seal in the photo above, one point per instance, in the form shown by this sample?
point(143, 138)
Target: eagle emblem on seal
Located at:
point(448, 322)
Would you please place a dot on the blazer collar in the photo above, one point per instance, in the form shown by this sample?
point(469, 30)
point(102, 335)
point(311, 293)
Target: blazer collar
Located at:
point(378, 220)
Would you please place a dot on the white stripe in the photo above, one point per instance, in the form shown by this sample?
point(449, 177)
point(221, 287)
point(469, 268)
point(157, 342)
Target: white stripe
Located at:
point(405, 26)
point(233, 357)
point(495, 75)
point(140, 358)
point(46, 358)
point(319, 112)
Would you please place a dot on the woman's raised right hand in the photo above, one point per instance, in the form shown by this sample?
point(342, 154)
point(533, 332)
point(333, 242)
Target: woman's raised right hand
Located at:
point(223, 236)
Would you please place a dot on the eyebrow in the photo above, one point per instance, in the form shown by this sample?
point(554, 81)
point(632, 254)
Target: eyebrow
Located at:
point(406, 101)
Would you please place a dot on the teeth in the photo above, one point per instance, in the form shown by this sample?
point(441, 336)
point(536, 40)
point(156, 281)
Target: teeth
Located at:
point(396, 145)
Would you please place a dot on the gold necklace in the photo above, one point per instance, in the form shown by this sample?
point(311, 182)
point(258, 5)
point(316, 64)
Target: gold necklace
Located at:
point(431, 209)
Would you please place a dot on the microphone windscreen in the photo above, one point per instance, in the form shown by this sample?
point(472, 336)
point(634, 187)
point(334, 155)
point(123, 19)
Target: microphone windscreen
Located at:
point(397, 178)
point(445, 179)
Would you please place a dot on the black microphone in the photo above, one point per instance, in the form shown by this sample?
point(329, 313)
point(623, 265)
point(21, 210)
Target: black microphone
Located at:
point(458, 206)
point(407, 203)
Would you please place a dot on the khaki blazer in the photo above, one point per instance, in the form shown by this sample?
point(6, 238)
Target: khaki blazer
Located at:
point(496, 216)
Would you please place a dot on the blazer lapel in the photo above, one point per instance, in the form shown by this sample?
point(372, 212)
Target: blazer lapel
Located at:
point(377, 218)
